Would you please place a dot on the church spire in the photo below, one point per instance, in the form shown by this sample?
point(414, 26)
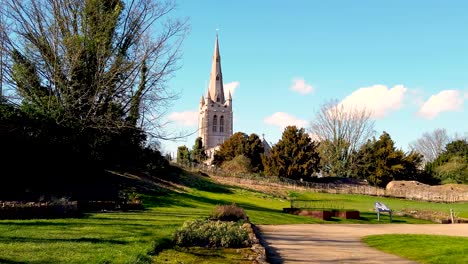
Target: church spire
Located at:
point(202, 101)
point(216, 89)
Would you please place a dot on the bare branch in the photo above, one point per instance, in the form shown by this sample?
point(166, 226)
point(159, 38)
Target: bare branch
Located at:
point(342, 130)
point(431, 144)
point(88, 58)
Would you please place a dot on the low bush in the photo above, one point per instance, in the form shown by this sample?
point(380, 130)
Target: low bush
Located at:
point(239, 165)
point(206, 233)
point(230, 212)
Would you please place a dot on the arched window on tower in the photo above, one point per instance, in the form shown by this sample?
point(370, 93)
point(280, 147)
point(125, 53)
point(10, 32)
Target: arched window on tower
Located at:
point(221, 124)
point(215, 123)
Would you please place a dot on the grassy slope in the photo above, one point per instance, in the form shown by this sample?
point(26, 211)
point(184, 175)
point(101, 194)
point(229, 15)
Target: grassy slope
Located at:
point(423, 248)
point(119, 237)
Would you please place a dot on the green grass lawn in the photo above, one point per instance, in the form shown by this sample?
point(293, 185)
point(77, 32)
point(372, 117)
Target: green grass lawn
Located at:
point(423, 248)
point(99, 238)
point(365, 203)
point(204, 256)
point(128, 237)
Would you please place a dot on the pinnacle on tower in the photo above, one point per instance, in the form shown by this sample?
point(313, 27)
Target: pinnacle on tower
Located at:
point(216, 89)
point(202, 100)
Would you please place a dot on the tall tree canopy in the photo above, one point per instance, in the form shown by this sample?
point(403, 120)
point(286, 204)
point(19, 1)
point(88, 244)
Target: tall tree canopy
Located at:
point(183, 155)
point(342, 130)
point(198, 151)
point(84, 82)
point(294, 156)
point(380, 162)
point(103, 63)
point(451, 166)
point(241, 144)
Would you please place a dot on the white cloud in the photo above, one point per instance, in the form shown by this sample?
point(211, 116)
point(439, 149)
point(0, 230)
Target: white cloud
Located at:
point(187, 118)
point(282, 120)
point(230, 87)
point(378, 99)
point(299, 85)
point(445, 101)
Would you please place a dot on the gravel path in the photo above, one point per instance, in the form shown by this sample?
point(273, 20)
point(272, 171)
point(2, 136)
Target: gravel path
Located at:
point(319, 243)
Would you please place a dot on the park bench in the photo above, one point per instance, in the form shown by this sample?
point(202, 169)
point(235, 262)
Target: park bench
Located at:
point(380, 207)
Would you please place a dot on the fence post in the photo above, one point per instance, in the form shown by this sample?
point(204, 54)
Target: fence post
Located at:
point(451, 216)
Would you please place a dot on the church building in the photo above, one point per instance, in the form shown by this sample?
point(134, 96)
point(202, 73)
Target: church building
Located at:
point(215, 110)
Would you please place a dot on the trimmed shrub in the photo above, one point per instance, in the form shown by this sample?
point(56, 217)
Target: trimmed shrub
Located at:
point(230, 212)
point(206, 233)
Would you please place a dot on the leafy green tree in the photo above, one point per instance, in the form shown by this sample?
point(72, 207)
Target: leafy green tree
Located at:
point(334, 158)
point(387, 160)
point(453, 171)
point(97, 63)
point(380, 162)
point(457, 148)
point(83, 78)
point(295, 155)
point(241, 144)
point(451, 165)
point(363, 165)
point(255, 152)
point(233, 146)
point(413, 168)
point(183, 155)
point(198, 154)
point(240, 164)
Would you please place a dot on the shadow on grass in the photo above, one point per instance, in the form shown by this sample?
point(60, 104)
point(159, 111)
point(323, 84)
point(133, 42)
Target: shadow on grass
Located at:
point(368, 218)
point(180, 200)
point(32, 223)
point(202, 183)
point(53, 240)
point(247, 206)
point(7, 261)
point(161, 244)
point(372, 217)
point(201, 252)
point(162, 189)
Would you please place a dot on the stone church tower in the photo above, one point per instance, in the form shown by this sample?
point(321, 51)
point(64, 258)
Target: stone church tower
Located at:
point(215, 111)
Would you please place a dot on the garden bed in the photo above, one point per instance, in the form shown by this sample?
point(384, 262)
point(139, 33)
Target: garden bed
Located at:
point(323, 213)
point(349, 214)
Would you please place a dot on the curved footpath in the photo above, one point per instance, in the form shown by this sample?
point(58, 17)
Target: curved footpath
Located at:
point(330, 243)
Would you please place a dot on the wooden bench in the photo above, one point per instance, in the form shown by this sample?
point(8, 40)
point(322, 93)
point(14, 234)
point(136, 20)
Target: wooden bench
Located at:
point(380, 207)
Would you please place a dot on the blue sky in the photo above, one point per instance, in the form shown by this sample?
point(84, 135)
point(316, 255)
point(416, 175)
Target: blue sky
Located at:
point(405, 60)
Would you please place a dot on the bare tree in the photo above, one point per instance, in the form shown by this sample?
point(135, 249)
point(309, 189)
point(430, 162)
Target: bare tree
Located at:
point(105, 63)
point(342, 130)
point(2, 40)
point(431, 144)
